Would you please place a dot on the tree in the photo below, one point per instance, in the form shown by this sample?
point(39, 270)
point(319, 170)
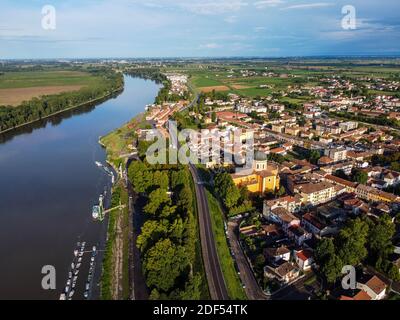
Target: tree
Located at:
point(329, 262)
point(137, 174)
point(163, 264)
point(213, 117)
point(157, 199)
point(380, 238)
point(160, 179)
point(227, 190)
point(351, 242)
point(232, 196)
point(332, 268)
point(360, 176)
point(314, 156)
point(152, 231)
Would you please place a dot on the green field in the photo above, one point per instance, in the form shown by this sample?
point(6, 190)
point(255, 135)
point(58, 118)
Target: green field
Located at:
point(30, 79)
point(235, 289)
point(16, 87)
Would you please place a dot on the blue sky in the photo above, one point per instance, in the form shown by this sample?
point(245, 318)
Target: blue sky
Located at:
point(197, 28)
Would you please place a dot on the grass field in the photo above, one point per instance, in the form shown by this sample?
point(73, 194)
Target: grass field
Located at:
point(235, 289)
point(16, 87)
point(221, 77)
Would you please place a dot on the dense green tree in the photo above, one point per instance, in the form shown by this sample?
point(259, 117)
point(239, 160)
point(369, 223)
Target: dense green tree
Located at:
point(351, 242)
point(315, 155)
point(329, 262)
point(157, 199)
point(163, 264)
point(360, 176)
point(152, 231)
point(380, 237)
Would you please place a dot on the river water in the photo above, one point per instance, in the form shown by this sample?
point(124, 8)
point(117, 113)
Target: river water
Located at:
point(48, 185)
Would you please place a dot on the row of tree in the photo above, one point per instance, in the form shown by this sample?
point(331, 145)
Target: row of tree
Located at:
point(38, 108)
point(362, 240)
point(169, 233)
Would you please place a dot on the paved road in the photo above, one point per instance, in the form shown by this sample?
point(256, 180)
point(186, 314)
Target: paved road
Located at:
point(253, 290)
point(215, 278)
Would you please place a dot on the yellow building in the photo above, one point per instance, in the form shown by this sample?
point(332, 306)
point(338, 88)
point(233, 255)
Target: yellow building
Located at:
point(264, 178)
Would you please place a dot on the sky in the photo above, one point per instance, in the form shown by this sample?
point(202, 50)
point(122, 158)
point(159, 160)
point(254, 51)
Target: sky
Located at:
point(197, 28)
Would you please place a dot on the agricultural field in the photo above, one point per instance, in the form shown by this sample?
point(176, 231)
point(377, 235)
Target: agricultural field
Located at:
point(16, 87)
point(228, 78)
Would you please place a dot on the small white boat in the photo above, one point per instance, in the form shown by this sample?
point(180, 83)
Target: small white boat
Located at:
point(76, 252)
point(67, 288)
point(86, 295)
point(79, 260)
point(87, 287)
point(76, 272)
point(78, 265)
point(71, 294)
point(63, 297)
point(69, 275)
point(99, 164)
point(74, 285)
point(75, 279)
point(94, 249)
point(69, 282)
point(73, 265)
point(92, 259)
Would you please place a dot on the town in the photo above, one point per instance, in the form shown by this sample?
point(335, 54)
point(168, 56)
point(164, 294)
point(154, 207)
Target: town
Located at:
point(323, 191)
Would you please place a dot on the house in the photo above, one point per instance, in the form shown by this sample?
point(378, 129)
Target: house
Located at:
point(285, 272)
point(304, 259)
point(360, 295)
point(291, 204)
point(284, 218)
point(374, 287)
point(277, 254)
point(298, 234)
point(313, 224)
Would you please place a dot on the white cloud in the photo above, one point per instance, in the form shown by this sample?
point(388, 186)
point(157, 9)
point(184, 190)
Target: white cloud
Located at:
point(259, 29)
point(231, 19)
point(210, 46)
point(309, 5)
point(268, 3)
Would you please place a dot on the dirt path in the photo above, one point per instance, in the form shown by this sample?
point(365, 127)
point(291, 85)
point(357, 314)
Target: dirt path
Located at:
point(118, 259)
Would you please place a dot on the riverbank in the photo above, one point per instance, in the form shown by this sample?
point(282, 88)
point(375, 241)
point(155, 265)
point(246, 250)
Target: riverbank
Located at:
point(84, 104)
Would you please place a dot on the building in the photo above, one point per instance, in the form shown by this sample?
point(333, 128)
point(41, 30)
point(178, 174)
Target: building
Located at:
point(304, 259)
point(348, 126)
point(277, 254)
point(374, 287)
point(336, 154)
point(264, 178)
point(285, 273)
point(313, 224)
point(316, 193)
point(375, 195)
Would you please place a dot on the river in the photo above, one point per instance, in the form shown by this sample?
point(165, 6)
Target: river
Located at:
point(48, 185)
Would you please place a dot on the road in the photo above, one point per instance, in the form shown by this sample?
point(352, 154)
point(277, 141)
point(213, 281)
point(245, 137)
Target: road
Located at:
point(253, 290)
point(215, 278)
